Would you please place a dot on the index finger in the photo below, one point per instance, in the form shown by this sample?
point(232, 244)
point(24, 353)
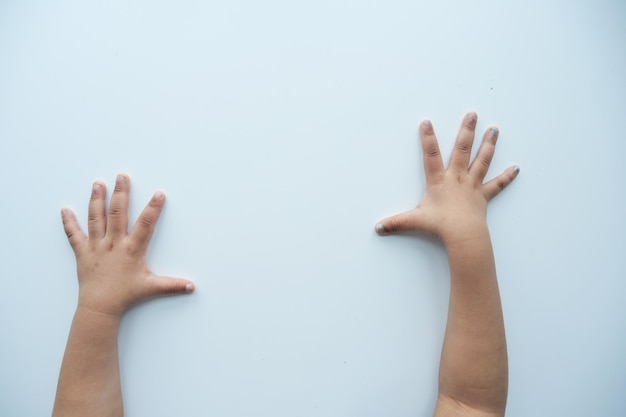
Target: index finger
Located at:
point(75, 235)
point(433, 164)
point(143, 229)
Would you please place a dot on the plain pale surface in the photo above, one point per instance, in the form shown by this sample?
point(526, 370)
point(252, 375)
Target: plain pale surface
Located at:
point(281, 132)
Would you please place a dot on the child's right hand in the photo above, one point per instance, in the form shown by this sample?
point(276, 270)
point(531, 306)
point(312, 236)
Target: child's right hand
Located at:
point(112, 271)
point(454, 205)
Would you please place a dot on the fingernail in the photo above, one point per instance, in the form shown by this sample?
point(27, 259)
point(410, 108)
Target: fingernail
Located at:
point(120, 179)
point(96, 188)
point(380, 228)
point(63, 212)
point(495, 131)
point(516, 170)
point(426, 124)
point(472, 116)
point(158, 196)
point(189, 287)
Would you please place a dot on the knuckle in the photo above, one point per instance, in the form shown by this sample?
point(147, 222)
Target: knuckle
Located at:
point(485, 161)
point(131, 248)
point(463, 147)
point(146, 221)
point(431, 150)
point(116, 212)
point(170, 288)
point(394, 225)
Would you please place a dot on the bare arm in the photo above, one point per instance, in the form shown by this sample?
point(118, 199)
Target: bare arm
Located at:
point(89, 383)
point(473, 373)
point(112, 276)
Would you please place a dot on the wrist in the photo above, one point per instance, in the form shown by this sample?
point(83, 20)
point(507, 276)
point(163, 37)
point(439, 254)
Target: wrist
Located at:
point(100, 328)
point(96, 314)
point(465, 233)
point(101, 299)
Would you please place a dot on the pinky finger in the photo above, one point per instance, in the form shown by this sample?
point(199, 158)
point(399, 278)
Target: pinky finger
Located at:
point(76, 237)
point(499, 183)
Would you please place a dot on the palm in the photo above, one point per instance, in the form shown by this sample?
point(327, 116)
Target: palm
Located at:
point(455, 200)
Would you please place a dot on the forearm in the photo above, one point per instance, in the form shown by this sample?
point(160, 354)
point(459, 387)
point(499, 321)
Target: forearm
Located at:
point(89, 381)
point(473, 374)
point(474, 369)
point(112, 276)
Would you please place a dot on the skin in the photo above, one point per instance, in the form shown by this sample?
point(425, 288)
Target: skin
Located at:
point(112, 276)
point(473, 372)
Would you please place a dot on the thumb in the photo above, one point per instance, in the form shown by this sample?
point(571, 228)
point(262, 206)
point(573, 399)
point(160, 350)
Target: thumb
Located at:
point(404, 222)
point(171, 286)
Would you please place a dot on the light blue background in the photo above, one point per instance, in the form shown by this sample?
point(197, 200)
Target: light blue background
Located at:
point(281, 131)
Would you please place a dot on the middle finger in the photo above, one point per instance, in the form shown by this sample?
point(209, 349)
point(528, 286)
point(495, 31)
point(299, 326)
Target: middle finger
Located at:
point(460, 158)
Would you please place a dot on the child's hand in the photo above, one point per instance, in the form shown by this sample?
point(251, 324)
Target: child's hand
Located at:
point(112, 270)
point(454, 206)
